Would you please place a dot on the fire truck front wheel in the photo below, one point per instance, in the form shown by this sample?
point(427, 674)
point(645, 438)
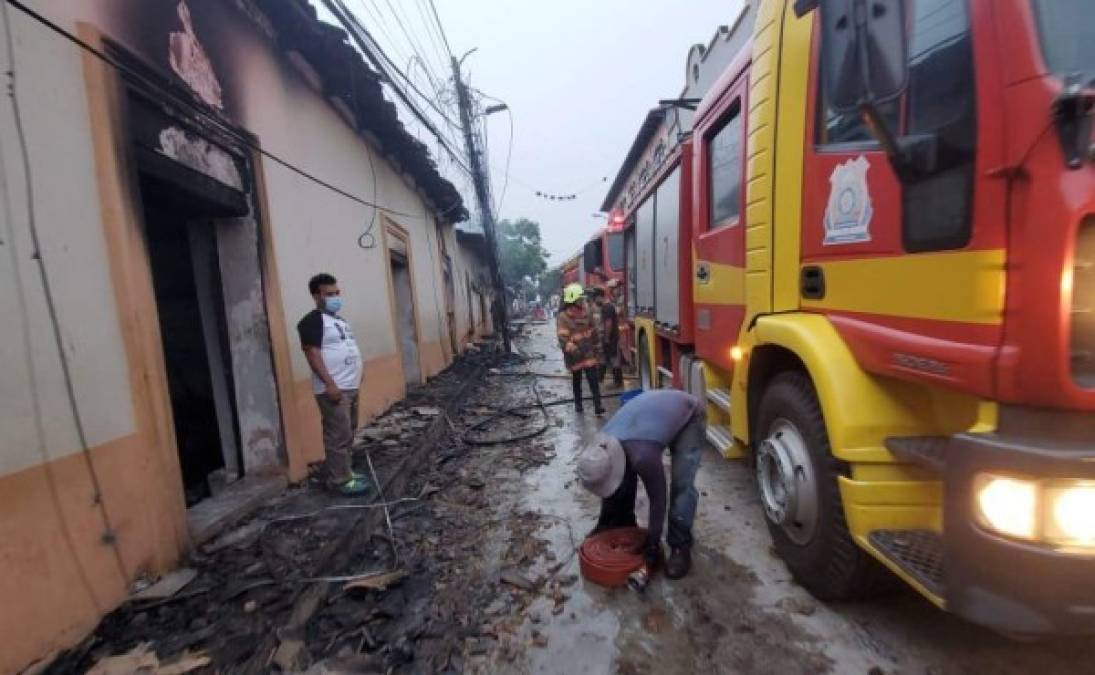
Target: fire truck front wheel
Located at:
point(797, 481)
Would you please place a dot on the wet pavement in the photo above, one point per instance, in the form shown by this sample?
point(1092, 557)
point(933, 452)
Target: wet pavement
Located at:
point(738, 611)
point(482, 543)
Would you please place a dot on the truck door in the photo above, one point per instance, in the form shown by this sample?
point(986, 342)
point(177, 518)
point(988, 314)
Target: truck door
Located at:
point(631, 275)
point(719, 226)
point(667, 242)
point(911, 270)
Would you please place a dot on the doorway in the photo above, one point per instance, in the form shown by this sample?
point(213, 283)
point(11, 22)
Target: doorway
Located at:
point(450, 304)
point(186, 281)
point(406, 325)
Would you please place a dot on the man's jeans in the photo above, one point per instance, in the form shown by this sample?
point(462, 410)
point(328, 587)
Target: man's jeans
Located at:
point(339, 425)
point(618, 510)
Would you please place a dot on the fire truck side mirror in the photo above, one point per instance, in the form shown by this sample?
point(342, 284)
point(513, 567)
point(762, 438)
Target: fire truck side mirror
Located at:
point(864, 52)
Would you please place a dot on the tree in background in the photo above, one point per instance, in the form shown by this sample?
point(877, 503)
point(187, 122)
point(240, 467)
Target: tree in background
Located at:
point(521, 254)
point(550, 282)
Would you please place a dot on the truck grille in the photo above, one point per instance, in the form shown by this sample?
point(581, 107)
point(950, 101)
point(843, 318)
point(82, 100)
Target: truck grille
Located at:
point(1083, 306)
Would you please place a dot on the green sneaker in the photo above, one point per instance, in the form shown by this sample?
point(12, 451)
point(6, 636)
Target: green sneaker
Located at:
point(354, 487)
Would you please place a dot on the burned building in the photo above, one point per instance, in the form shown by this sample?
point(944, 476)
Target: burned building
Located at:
point(171, 174)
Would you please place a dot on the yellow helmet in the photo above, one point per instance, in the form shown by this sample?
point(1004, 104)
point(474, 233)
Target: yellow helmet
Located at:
point(573, 293)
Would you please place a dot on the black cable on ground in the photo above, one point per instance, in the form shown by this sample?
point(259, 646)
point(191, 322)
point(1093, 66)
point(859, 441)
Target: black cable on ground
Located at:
point(469, 433)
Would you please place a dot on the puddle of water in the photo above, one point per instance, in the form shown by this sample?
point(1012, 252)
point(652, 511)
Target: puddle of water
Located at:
point(674, 626)
point(727, 615)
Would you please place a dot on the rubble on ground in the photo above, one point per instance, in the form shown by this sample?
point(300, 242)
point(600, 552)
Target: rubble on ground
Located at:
point(308, 585)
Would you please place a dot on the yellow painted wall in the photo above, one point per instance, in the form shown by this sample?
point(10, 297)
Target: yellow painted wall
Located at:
point(59, 577)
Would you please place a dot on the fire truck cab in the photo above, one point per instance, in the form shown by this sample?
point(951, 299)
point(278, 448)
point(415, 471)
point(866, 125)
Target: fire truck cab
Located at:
point(602, 257)
point(886, 211)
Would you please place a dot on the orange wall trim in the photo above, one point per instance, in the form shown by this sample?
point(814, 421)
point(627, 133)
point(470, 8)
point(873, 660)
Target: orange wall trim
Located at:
point(383, 387)
point(58, 577)
point(434, 357)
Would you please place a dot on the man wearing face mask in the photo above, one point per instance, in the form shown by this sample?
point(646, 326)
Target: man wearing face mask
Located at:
point(332, 353)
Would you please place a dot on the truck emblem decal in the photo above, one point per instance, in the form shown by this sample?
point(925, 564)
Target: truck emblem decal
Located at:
point(703, 272)
point(848, 214)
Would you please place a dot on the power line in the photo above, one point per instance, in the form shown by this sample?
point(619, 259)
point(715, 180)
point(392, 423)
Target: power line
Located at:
point(369, 46)
point(509, 156)
point(416, 46)
point(350, 18)
point(377, 20)
point(109, 536)
point(172, 95)
point(431, 29)
point(441, 29)
point(509, 148)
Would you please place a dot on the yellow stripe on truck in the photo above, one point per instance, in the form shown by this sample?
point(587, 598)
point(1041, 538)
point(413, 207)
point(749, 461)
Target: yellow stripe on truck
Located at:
point(966, 287)
point(725, 285)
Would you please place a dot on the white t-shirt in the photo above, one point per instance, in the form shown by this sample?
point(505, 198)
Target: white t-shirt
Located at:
point(336, 342)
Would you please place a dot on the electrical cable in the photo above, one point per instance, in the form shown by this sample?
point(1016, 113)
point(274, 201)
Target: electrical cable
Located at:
point(416, 46)
point(350, 21)
point(387, 511)
point(383, 63)
point(441, 29)
point(368, 233)
point(509, 156)
point(378, 21)
point(203, 114)
point(470, 434)
point(28, 359)
point(431, 29)
point(109, 537)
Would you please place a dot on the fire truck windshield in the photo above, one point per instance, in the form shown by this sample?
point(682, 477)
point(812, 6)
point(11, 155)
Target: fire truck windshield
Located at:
point(1068, 36)
point(616, 251)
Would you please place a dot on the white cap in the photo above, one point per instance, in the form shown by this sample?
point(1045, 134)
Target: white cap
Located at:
point(601, 465)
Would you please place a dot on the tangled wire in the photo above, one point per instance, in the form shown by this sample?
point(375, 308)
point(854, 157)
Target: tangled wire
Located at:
point(473, 434)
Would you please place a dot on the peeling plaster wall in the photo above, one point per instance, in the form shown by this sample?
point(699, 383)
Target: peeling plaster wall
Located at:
point(469, 264)
point(55, 118)
point(249, 344)
point(58, 577)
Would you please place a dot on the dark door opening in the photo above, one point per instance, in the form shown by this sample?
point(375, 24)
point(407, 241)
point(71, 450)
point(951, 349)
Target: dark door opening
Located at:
point(186, 281)
point(450, 303)
point(405, 323)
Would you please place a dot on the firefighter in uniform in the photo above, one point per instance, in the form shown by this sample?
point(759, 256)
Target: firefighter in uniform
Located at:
point(580, 339)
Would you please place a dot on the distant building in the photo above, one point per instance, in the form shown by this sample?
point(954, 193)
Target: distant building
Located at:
point(190, 167)
point(665, 125)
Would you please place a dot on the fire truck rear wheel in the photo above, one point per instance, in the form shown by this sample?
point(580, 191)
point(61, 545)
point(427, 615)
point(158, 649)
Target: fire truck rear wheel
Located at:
point(797, 480)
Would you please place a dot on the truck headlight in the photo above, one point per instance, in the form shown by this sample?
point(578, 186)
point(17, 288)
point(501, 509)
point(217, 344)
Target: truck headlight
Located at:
point(1007, 505)
point(1057, 512)
point(1070, 513)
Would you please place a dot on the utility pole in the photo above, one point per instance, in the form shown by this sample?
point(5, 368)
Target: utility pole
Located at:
point(482, 194)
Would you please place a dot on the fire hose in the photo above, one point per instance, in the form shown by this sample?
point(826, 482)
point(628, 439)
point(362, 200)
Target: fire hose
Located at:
point(471, 436)
point(608, 558)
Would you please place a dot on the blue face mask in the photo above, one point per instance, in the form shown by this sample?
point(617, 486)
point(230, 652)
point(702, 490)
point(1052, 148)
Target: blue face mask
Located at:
point(332, 304)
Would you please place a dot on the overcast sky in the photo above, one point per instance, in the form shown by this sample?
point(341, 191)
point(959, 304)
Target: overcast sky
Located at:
point(579, 76)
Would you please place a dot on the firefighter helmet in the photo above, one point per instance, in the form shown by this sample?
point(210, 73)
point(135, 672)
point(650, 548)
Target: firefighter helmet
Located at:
point(572, 293)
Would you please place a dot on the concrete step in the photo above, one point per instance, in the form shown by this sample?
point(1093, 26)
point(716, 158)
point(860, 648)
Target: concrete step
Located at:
point(720, 397)
point(665, 377)
point(720, 437)
point(929, 452)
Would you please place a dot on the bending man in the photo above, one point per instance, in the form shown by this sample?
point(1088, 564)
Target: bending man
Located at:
point(630, 448)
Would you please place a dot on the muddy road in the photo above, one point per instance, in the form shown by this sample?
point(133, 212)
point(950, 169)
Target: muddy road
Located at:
point(472, 568)
point(739, 611)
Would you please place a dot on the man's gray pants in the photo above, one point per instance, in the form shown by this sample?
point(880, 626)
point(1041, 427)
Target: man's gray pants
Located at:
point(339, 425)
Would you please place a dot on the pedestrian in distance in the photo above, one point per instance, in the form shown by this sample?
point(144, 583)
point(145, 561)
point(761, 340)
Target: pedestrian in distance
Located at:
point(579, 337)
point(629, 449)
point(337, 376)
point(610, 333)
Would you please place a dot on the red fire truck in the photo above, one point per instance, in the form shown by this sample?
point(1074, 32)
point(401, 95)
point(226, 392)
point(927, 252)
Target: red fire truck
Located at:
point(874, 258)
point(602, 257)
